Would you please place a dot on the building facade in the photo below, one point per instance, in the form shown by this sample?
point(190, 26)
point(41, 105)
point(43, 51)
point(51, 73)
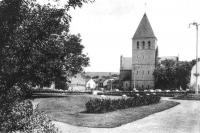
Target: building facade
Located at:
point(143, 55)
point(137, 72)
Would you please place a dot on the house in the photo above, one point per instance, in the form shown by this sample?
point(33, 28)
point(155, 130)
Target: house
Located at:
point(91, 85)
point(77, 83)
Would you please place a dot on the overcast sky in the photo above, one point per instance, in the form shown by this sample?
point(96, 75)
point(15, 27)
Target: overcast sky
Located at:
point(107, 26)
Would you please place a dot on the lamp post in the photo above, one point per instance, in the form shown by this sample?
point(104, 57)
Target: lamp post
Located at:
point(134, 68)
point(196, 74)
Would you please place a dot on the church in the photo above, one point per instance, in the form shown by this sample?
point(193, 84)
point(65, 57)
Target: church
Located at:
point(137, 72)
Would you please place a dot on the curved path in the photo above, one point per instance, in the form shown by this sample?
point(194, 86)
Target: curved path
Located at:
point(183, 118)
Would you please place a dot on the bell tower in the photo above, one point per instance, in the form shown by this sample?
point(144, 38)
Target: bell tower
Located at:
point(143, 55)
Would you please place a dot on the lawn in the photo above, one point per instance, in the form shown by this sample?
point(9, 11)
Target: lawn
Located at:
point(70, 110)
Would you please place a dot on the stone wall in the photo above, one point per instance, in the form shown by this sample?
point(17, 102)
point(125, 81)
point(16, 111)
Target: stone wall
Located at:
point(143, 59)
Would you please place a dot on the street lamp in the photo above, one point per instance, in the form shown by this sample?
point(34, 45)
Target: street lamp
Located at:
point(134, 68)
point(196, 74)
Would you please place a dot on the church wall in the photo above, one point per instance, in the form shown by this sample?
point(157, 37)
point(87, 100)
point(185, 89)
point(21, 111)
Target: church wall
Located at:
point(143, 84)
point(143, 60)
point(125, 79)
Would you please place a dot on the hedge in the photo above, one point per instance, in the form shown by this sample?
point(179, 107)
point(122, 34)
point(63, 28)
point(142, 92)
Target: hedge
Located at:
point(106, 105)
point(132, 94)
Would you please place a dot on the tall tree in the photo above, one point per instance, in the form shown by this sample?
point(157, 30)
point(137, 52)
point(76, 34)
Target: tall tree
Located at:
point(35, 49)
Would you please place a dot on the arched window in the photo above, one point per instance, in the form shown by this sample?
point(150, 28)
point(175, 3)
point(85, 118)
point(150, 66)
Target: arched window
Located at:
point(143, 45)
point(138, 45)
point(148, 72)
point(149, 44)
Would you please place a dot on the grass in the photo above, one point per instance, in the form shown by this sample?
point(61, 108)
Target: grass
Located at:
point(70, 110)
point(188, 97)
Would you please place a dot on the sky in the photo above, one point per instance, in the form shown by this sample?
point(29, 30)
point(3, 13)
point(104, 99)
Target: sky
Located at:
point(107, 26)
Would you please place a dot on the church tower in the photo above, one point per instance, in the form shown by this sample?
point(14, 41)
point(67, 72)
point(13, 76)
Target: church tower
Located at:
point(144, 49)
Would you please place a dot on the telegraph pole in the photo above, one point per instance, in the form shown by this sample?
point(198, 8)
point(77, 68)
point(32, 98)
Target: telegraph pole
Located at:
point(196, 74)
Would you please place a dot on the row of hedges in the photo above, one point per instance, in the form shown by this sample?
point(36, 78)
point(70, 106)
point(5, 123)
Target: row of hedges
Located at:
point(107, 105)
point(55, 91)
point(132, 94)
point(44, 93)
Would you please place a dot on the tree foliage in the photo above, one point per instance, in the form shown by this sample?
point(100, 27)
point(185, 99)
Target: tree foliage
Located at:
point(35, 49)
point(170, 74)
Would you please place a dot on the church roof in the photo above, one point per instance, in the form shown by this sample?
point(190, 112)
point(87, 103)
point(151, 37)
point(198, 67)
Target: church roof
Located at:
point(144, 29)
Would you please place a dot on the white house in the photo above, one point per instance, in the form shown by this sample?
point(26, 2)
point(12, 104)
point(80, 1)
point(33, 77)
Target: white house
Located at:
point(91, 84)
point(193, 77)
point(78, 83)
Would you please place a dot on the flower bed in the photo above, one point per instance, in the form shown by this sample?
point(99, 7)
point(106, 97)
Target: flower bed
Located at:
point(107, 105)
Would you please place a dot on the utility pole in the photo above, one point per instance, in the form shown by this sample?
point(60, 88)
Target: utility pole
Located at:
point(196, 74)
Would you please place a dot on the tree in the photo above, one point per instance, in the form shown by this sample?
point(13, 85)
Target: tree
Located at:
point(35, 49)
point(165, 75)
point(171, 74)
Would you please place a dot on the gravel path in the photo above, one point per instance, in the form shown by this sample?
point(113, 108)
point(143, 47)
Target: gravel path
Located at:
point(184, 118)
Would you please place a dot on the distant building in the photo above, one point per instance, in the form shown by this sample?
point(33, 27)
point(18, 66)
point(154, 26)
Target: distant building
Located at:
point(110, 84)
point(91, 85)
point(137, 71)
point(125, 72)
point(78, 83)
point(193, 77)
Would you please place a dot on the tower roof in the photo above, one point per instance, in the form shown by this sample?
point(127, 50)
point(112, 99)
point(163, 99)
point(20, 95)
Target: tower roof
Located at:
point(144, 29)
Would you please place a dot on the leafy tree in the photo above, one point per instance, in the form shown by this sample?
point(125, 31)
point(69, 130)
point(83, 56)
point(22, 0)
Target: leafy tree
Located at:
point(170, 74)
point(165, 75)
point(35, 49)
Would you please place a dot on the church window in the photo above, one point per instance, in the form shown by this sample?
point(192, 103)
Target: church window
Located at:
point(148, 72)
point(143, 45)
point(138, 45)
point(149, 44)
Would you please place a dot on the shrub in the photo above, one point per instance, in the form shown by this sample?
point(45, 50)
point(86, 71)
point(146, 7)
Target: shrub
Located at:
point(22, 117)
point(17, 114)
point(106, 105)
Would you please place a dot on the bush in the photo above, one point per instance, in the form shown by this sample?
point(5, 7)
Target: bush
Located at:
point(22, 117)
point(106, 105)
point(17, 114)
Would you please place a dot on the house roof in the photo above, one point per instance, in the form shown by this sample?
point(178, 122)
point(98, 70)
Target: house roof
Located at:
point(144, 29)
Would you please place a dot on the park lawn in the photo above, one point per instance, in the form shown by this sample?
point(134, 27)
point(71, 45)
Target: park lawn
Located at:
point(71, 109)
